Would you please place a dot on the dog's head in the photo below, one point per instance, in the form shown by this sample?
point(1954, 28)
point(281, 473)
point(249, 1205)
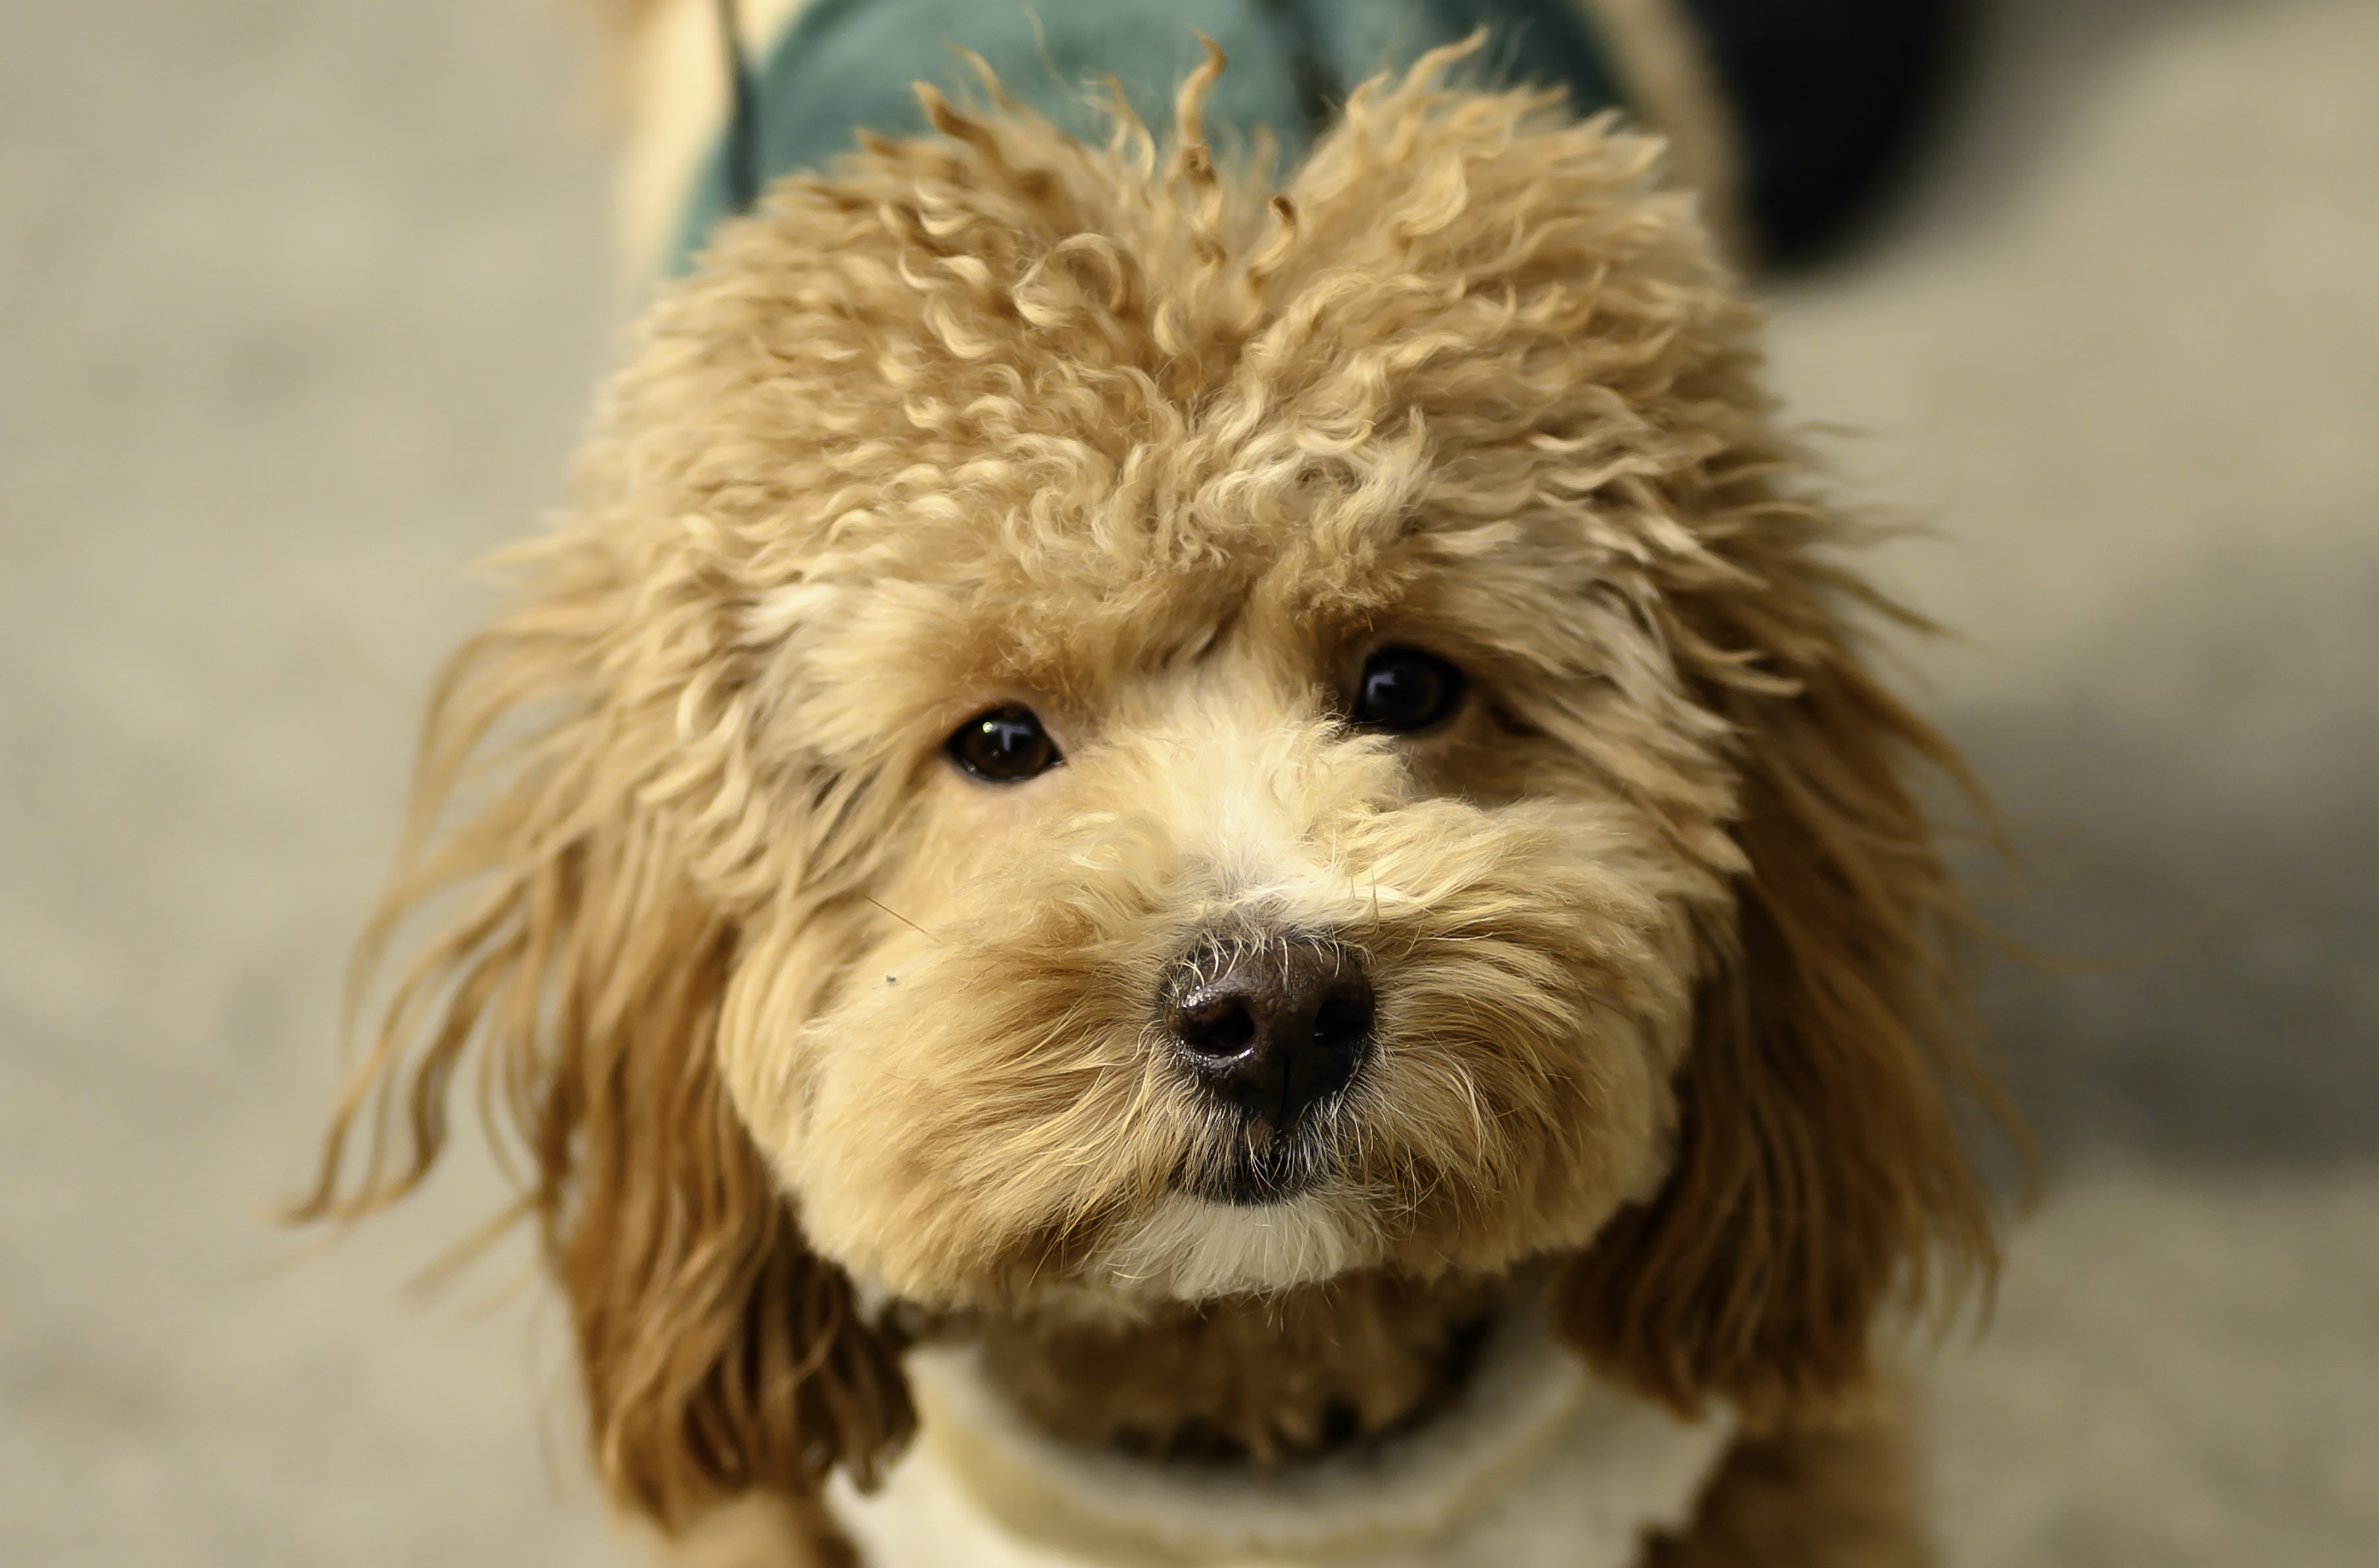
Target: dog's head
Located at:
point(1103, 736)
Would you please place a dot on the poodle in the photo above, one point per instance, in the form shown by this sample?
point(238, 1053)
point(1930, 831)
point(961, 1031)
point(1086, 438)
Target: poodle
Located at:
point(1176, 865)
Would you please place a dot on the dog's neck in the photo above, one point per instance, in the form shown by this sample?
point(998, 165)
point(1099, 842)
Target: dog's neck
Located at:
point(1256, 1380)
point(1207, 1438)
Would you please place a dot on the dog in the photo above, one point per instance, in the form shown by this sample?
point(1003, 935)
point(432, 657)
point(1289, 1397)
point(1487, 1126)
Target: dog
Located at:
point(1176, 866)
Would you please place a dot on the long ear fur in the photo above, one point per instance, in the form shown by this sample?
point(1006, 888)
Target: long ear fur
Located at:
point(1821, 1172)
point(718, 1354)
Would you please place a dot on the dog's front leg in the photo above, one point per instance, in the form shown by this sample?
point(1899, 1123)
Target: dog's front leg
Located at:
point(1824, 1497)
point(764, 1532)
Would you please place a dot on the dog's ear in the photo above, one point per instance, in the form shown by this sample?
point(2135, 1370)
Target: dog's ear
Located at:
point(1819, 1172)
point(585, 965)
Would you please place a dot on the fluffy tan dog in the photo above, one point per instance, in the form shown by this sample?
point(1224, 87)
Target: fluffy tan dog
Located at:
point(1236, 829)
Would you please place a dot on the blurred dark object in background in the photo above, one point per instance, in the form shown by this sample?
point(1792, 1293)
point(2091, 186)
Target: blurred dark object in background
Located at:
point(1833, 99)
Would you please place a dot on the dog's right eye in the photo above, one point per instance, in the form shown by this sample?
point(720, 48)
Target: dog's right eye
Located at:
point(1004, 746)
point(1405, 691)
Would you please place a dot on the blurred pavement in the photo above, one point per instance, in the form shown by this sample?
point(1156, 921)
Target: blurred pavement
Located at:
point(299, 307)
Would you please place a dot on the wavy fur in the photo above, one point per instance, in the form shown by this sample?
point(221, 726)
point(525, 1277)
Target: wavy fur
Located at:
point(770, 1000)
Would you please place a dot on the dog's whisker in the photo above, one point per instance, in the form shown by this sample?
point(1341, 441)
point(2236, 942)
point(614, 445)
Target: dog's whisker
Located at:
point(896, 914)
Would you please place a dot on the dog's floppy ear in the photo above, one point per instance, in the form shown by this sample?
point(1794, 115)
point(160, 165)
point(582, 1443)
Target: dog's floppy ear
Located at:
point(1819, 1172)
point(585, 965)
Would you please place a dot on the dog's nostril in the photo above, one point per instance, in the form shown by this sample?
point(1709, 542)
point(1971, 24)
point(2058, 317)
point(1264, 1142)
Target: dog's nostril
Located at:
point(1344, 1015)
point(1217, 1028)
point(1272, 1028)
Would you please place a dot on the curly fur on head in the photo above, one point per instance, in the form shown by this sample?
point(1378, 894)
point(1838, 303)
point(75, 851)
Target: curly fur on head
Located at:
point(776, 1001)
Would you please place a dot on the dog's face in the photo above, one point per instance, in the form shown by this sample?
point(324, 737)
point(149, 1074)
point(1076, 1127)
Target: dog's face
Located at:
point(1253, 888)
point(1287, 839)
point(1119, 741)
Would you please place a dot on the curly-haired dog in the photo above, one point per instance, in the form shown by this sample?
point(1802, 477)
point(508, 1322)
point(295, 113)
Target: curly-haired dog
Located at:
point(1172, 870)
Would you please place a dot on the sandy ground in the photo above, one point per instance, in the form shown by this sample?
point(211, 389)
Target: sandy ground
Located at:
point(299, 304)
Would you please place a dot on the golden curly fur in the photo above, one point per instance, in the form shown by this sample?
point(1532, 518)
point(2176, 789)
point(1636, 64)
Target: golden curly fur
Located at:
point(791, 1020)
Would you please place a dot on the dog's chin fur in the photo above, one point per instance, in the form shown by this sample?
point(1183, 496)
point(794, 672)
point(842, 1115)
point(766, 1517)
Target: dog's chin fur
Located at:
point(789, 1015)
point(1190, 1249)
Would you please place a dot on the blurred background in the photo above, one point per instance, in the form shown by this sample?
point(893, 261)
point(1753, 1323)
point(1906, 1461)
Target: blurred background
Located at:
point(300, 303)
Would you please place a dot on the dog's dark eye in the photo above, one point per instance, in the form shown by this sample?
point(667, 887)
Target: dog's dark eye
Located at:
point(1404, 690)
point(1004, 746)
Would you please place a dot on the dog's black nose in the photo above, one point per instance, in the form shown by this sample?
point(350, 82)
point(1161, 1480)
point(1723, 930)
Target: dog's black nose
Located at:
point(1274, 1026)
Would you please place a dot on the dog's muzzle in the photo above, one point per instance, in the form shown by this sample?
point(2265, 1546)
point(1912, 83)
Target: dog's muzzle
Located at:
point(1273, 1029)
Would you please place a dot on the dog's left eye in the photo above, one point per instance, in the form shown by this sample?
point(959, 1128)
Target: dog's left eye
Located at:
point(1405, 690)
point(1004, 746)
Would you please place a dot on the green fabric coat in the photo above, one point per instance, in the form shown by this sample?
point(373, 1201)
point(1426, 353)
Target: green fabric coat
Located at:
point(848, 65)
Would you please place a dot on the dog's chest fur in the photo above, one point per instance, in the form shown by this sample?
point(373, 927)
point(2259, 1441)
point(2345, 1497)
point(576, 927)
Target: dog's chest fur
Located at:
point(1534, 1464)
